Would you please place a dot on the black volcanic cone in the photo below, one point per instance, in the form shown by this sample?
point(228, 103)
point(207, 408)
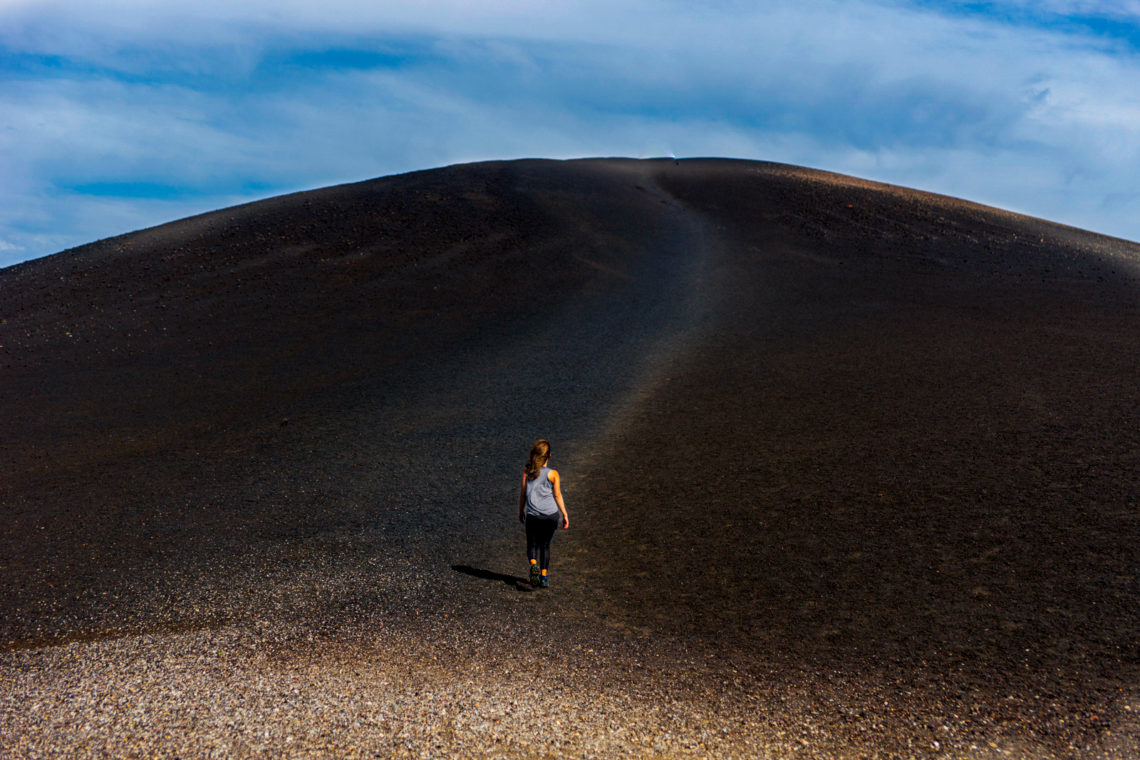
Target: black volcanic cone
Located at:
point(805, 422)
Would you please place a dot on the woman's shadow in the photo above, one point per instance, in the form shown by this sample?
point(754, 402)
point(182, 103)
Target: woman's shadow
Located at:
point(519, 584)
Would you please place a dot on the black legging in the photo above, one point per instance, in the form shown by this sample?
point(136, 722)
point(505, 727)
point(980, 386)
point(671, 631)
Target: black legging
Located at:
point(539, 533)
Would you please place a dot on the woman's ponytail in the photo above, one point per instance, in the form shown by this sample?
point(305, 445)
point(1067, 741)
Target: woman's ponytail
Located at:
point(539, 456)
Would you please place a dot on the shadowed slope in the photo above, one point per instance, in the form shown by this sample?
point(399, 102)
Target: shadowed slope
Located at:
point(181, 400)
point(820, 437)
point(906, 447)
point(239, 312)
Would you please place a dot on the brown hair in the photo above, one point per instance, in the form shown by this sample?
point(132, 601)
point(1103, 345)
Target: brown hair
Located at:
point(539, 456)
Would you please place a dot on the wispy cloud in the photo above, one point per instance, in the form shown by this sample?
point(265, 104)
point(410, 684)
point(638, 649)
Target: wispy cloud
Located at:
point(132, 113)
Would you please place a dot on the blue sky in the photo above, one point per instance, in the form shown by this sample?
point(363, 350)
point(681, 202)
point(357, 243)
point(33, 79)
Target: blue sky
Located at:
point(124, 114)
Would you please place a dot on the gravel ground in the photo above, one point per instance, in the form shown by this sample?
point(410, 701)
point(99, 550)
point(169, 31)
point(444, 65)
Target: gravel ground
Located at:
point(268, 690)
point(851, 473)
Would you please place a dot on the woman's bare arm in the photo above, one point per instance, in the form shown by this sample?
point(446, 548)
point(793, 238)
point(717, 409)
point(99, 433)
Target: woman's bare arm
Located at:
point(557, 481)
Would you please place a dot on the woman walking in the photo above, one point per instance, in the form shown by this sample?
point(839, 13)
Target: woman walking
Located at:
point(540, 506)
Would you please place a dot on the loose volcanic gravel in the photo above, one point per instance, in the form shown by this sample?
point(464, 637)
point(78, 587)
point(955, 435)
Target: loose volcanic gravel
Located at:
point(268, 690)
point(851, 471)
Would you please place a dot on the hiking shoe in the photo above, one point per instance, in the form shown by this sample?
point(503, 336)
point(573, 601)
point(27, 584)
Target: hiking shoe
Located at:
point(544, 581)
point(534, 575)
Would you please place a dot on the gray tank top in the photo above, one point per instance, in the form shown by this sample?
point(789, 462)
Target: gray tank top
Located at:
point(540, 496)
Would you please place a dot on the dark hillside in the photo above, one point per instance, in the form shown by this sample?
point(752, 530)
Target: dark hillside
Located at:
point(169, 394)
point(852, 471)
